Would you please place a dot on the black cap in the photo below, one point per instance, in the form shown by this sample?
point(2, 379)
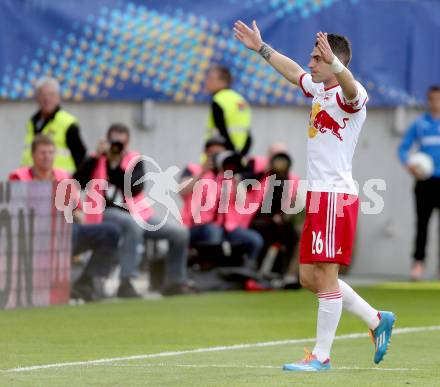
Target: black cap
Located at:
point(215, 140)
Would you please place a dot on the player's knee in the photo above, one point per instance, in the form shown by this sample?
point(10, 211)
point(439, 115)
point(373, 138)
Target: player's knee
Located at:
point(325, 275)
point(319, 276)
point(307, 281)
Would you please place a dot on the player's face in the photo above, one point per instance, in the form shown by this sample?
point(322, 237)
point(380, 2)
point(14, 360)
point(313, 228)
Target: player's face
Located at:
point(43, 157)
point(319, 70)
point(48, 99)
point(434, 102)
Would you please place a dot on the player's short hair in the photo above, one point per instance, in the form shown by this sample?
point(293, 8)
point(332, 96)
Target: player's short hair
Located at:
point(223, 72)
point(340, 46)
point(47, 81)
point(118, 128)
point(41, 139)
point(434, 89)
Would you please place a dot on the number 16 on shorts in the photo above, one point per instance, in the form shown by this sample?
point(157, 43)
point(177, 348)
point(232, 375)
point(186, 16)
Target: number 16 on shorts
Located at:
point(317, 243)
point(329, 228)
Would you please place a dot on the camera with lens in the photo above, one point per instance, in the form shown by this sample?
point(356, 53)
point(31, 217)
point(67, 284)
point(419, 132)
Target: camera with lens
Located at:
point(116, 147)
point(227, 161)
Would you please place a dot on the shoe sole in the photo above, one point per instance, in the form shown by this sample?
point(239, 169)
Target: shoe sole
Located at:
point(305, 370)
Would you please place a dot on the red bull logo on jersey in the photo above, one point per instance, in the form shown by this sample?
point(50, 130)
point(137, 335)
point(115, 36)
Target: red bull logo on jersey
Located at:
point(322, 122)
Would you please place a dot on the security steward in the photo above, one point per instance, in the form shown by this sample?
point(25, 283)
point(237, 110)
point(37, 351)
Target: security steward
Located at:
point(61, 126)
point(230, 114)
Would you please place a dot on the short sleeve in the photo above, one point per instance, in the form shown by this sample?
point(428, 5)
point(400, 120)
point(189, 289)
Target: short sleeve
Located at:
point(307, 86)
point(356, 104)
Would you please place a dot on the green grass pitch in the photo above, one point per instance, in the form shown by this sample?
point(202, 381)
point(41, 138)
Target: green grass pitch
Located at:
point(81, 334)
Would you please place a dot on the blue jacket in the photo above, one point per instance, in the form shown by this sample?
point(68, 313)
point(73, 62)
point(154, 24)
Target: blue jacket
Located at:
point(425, 134)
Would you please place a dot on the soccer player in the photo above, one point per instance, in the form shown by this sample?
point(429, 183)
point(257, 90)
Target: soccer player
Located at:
point(337, 116)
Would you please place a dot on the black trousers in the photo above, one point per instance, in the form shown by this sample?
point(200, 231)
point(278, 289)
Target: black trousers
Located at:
point(427, 195)
point(284, 233)
point(103, 240)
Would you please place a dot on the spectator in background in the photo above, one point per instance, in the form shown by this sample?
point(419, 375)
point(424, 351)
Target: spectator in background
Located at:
point(102, 239)
point(111, 161)
point(57, 123)
point(425, 134)
point(234, 223)
point(218, 222)
point(279, 189)
point(230, 114)
point(205, 230)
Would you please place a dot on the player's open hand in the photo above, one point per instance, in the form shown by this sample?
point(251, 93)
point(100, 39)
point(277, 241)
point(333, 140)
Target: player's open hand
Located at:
point(250, 37)
point(324, 47)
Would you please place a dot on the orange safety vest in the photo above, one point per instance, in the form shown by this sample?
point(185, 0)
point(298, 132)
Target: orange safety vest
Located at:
point(136, 205)
point(25, 174)
point(233, 219)
point(206, 216)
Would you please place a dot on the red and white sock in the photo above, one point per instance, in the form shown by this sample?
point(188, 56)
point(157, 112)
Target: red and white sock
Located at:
point(329, 314)
point(358, 306)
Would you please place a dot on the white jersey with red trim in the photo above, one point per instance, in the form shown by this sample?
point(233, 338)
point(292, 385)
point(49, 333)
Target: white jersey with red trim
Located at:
point(334, 128)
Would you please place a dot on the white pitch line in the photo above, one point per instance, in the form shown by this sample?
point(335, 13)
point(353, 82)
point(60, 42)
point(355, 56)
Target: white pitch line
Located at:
point(146, 365)
point(209, 349)
point(378, 369)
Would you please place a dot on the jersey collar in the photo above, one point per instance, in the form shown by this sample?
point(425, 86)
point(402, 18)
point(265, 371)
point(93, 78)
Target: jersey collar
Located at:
point(331, 87)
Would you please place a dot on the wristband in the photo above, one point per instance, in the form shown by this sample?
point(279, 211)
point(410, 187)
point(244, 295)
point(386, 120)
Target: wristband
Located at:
point(337, 66)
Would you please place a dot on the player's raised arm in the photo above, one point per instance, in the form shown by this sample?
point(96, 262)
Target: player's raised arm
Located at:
point(251, 38)
point(343, 74)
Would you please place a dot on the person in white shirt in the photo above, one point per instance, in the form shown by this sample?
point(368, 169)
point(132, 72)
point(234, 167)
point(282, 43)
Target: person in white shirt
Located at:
point(338, 113)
